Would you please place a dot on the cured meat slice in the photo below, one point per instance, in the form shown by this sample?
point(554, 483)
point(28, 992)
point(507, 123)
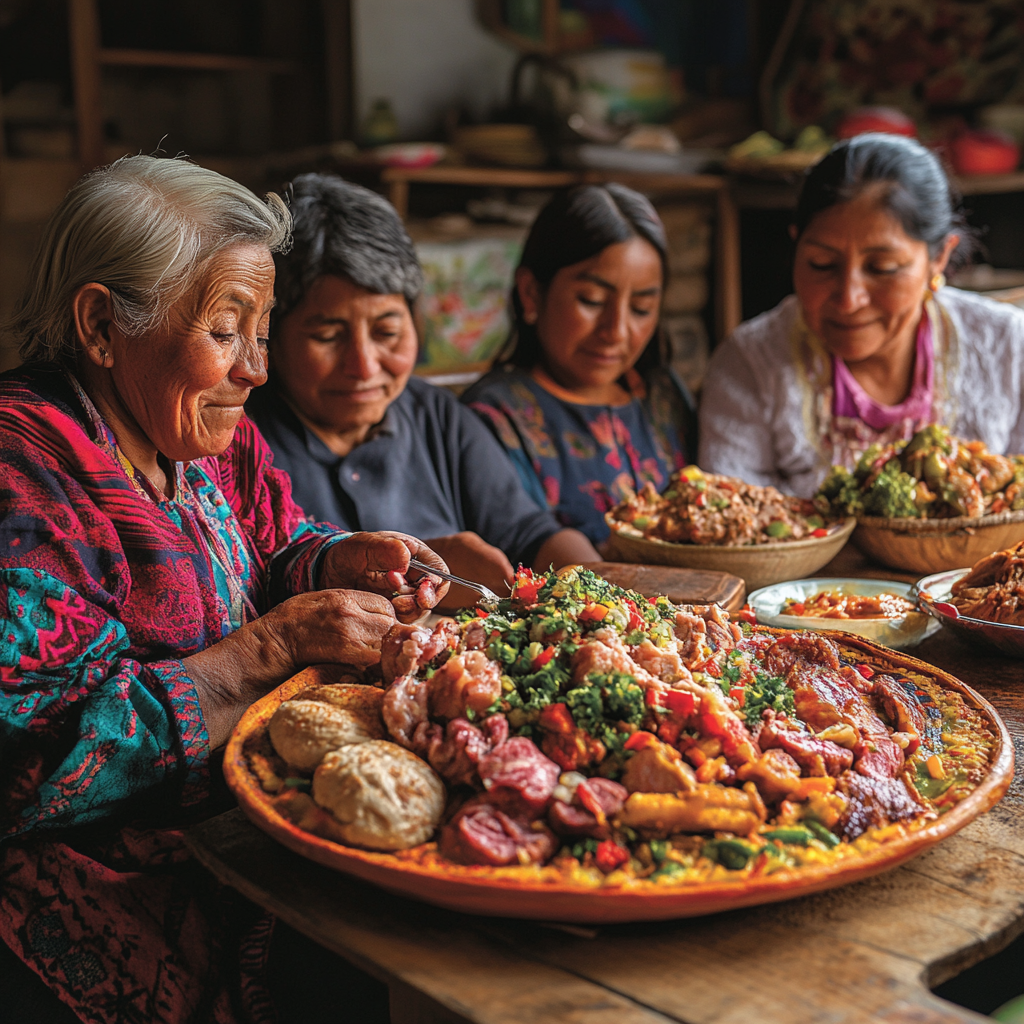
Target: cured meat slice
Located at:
point(594, 801)
point(518, 777)
point(874, 802)
point(455, 753)
point(815, 756)
point(484, 834)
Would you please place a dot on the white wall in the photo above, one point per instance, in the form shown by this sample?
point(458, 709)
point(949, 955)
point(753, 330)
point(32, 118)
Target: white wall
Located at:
point(424, 56)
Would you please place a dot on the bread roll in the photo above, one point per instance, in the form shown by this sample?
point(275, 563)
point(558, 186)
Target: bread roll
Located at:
point(302, 731)
point(381, 795)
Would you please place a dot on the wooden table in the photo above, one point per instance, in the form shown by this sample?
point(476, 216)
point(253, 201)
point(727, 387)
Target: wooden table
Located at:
point(866, 952)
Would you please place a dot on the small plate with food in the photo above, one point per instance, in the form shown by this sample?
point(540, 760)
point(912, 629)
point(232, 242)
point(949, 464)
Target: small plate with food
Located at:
point(582, 753)
point(983, 604)
point(881, 610)
point(934, 502)
point(709, 521)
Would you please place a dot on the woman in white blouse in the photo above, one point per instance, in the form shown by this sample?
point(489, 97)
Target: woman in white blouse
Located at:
point(872, 346)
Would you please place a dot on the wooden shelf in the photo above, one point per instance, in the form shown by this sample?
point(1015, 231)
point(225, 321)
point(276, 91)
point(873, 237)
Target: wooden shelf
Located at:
point(982, 184)
point(194, 61)
point(711, 186)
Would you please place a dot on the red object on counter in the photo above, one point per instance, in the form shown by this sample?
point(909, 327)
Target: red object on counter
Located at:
point(983, 151)
point(876, 119)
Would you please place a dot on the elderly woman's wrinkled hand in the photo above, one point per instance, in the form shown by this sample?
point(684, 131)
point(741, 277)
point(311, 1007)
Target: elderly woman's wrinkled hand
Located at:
point(379, 562)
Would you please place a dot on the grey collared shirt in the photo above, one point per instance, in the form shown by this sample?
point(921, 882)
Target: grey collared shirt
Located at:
point(430, 468)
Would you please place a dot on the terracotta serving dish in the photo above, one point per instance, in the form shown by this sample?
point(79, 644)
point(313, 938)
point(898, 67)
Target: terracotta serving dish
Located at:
point(469, 889)
point(759, 565)
point(934, 545)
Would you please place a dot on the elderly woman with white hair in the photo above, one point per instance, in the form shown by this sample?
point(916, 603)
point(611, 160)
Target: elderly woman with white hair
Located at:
point(156, 577)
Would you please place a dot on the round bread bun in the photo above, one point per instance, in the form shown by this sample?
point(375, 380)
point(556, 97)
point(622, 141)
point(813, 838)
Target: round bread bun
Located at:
point(383, 796)
point(302, 731)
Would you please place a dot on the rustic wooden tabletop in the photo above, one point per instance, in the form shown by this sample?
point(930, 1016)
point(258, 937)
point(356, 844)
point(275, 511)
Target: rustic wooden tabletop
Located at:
point(865, 952)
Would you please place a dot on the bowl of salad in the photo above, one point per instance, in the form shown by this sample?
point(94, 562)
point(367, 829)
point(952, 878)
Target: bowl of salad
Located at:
point(714, 522)
point(932, 503)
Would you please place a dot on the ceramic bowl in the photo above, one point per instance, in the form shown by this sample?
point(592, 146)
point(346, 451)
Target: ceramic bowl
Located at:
point(759, 565)
point(899, 634)
point(933, 545)
point(933, 593)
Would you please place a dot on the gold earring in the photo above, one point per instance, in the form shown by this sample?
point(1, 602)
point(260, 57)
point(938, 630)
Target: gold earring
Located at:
point(938, 281)
point(530, 318)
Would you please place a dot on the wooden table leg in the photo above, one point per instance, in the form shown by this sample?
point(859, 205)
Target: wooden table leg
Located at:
point(398, 193)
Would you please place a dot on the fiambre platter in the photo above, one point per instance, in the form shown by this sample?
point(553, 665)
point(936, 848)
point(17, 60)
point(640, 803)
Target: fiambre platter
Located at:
point(658, 763)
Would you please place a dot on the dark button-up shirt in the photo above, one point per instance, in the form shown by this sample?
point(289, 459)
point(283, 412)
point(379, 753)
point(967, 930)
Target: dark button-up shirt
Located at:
point(430, 468)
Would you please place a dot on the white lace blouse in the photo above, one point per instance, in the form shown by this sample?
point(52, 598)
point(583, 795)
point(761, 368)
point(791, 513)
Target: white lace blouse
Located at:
point(766, 405)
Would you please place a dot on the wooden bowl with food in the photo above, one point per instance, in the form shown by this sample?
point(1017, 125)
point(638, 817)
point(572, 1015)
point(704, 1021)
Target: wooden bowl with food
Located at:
point(713, 522)
point(581, 753)
point(935, 502)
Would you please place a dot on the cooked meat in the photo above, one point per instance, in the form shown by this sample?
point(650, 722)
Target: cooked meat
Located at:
point(802, 647)
point(594, 802)
point(465, 682)
point(874, 802)
point(404, 649)
point(715, 718)
point(662, 662)
point(710, 808)
point(455, 753)
point(303, 731)
point(483, 834)
point(518, 777)
point(775, 773)
point(904, 711)
point(382, 795)
point(405, 711)
point(816, 756)
point(658, 768)
point(994, 588)
point(692, 633)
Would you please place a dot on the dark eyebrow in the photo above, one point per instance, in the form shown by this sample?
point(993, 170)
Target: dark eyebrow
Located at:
point(601, 282)
point(870, 248)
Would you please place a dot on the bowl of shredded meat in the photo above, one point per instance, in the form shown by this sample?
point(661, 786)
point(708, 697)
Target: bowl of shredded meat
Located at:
point(709, 521)
point(983, 604)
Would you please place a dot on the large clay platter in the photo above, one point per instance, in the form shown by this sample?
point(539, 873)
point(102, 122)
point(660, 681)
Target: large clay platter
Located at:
point(475, 890)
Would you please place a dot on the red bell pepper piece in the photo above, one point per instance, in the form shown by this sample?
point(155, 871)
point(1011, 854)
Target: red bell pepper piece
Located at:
point(744, 614)
point(865, 670)
point(679, 702)
point(738, 694)
point(639, 740)
point(527, 585)
point(610, 855)
point(542, 659)
point(636, 620)
point(819, 532)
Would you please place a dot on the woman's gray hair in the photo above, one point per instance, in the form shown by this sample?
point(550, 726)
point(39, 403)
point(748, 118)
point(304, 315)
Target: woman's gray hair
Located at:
point(344, 230)
point(144, 227)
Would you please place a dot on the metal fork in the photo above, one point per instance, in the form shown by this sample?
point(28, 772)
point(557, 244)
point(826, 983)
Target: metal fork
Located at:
point(488, 598)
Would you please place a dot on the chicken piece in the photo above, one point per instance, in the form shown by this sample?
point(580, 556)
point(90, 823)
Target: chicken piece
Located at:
point(405, 649)
point(465, 682)
point(405, 712)
point(692, 633)
point(564, 742)
point(658, 768)
point(607, 653)
point(303, 731)
point(709, 808)
point(775, 774)
point(663, 663)
point(382, 796)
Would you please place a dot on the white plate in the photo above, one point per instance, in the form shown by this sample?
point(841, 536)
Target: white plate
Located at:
point(899, 634)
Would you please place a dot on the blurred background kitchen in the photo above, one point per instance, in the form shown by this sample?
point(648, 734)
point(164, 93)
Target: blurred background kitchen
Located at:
point(467, 114)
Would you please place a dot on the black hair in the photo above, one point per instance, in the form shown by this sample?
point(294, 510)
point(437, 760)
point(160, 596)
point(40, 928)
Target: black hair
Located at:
point(574, 226)
point(917, 192)
point(346, 230)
